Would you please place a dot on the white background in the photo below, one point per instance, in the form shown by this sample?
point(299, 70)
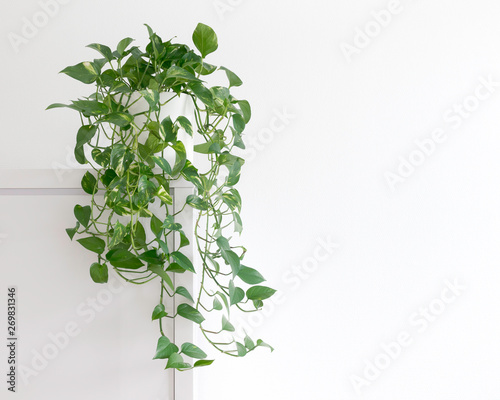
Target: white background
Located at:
point(324, 176)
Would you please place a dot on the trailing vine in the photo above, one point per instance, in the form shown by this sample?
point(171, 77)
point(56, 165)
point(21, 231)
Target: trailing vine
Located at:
point(136, 154)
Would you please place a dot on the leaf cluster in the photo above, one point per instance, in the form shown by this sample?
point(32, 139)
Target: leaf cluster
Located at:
point(130, 222)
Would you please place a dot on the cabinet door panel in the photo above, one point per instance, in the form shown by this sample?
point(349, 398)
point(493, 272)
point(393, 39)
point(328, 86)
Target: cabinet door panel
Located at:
point(77, 339)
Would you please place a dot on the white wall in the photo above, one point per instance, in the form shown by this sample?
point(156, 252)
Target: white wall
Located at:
point(324, 176)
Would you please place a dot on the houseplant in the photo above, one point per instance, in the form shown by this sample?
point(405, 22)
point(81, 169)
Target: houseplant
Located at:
point(135, 155)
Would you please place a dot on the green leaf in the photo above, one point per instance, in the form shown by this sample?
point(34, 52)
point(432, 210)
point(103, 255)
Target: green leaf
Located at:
point(156, 226)
point(184, 240)
point(100, 62)
point(238, 123)
point(158, 312)
point(234, 174)
point(145, 190)
point(203, 93)
point(89, 183)
point(158, 270)
point(119, 232)
point(207, 183)
point(204, 148)
point(121, 258)
point(223, 243)
point(249, 344)
point(234, 80)
point(221, 99)
point(260, 292)
point(122, 119)
point(139, 235)
point(188, 312)
point(214, 263)
point(203, 363)
point(102, 157)
point(119, 87)
point(162, 163)
point(104, 50)
point(86, 72)
point(150, 256)
point(217, 304)
point(224, 299)
point(121, 158)
point(258, 304)
point(196, 202)
point(176, 361)
point(154, 128)
point(261, 343)
point(165, 348)
point(82, 214)
point(170, 224)
point(238, 141)
point(180, 158)
point(233, 199)
point(180, 73)
point(183, 261)
point(205, 68)
point(131, 263)
point(91, 107)
point(95, 244)
point(184, 292)
point(156, 43)
point(190, 173)
point(216, 147)
point(242, 350)
point(123, 44)
point(174, 267)
point(245, 110)
point(60, 105)
point(164, 196)
point(236, 294)
point(250, 275)
point(238, 224)
point(185, 124)
point(231, 258)
point(167, 130)
point(229, 159)
point(226, 325)
point(84, 135)
point(136, 54)
point(108, 177)
point(163, 246)
point(152, 97)
point(205, 39)
point(193, 351)
point(119, 255)
point(72, 231)
point(99, 273)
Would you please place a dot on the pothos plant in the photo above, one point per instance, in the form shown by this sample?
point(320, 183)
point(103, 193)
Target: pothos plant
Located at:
point(129, 222)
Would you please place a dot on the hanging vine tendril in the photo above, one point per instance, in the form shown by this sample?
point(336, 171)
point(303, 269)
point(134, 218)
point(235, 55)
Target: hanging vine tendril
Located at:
point(130, 222)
